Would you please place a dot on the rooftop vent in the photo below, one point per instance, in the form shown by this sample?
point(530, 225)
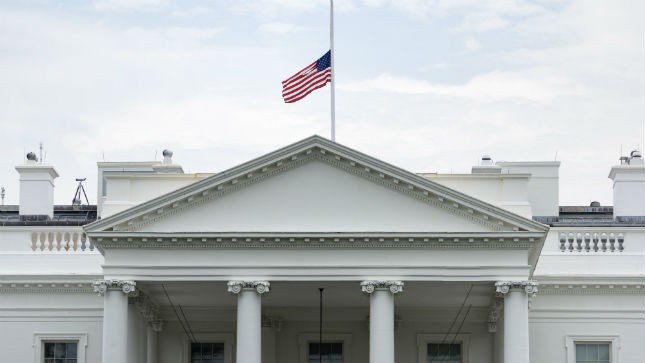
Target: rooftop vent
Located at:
point(486, 166)
point(636, 158)
point(167, 156)
point(594, 204)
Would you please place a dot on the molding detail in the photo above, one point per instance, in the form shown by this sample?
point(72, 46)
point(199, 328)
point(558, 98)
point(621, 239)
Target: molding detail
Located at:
point(157, 325)
point(148, 309)
point(273, 322)
point(369, 286)
point(592, 289)
point(102, 286)
point(45, 288)
point(494, 313)
point(529, 287)
point(494, 240)
point(261, 287)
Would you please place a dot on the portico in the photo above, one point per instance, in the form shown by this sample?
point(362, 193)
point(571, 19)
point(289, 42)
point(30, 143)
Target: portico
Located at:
point(408, 266)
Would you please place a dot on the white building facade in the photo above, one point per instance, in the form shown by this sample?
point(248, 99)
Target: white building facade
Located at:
point(234, 266)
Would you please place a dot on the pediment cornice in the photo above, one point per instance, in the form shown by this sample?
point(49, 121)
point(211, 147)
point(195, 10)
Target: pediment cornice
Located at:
point(314, 240)
point(315, 148)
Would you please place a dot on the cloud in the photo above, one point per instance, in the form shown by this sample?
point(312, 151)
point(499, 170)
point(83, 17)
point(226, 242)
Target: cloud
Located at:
point(531, 85)
point(129, 5)
point(281, 28)
point(472, 44)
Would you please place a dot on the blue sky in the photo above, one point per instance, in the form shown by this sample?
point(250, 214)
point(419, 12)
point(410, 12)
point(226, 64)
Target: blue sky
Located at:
point(426, 85)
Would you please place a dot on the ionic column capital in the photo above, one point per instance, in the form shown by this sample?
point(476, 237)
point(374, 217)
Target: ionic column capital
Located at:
point(369, 286)
point(156, 325)
point(261, 287)
point(529, 287)
point(128, 287)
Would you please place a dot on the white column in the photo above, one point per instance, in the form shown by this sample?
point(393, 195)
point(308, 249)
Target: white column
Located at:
point(249, 318)
point(115, 318)
point(516, 318)
point(381, 318)
point(154, 327)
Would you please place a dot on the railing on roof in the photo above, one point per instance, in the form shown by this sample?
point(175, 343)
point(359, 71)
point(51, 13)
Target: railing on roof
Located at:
point(592, 242)
point(63, 241)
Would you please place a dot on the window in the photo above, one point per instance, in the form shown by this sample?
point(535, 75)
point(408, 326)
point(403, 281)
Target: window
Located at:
point(59, 347)
point(444, 353)
point(592, 353)
point(207, 353)
point(592, 348)
point(331, 352)
point(60, 352)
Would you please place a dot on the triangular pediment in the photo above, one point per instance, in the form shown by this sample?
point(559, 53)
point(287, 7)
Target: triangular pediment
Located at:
point(315, 185)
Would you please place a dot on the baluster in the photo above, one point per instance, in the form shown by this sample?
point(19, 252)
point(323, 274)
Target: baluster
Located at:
point(59, 237)
point(595, 242)
point(50, 241)
point(570, 242)
point(67, 237)
point(612, 242)
point(90, 243)
point(587, 242)
point(43, 239)
point(603, 240)
point(579, 242)
point(83, 242)
point(75, 240)
point(34, 241)
point(621, 239)
point(563, 241)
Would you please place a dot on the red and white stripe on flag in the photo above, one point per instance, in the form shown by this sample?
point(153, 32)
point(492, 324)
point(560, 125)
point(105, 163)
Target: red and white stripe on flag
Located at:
point(314, 76)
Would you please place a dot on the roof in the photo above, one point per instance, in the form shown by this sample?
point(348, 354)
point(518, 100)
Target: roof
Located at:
point(64, 215)
point(602, 216)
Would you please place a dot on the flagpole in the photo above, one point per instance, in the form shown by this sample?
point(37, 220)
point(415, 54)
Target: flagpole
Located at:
point(333, 78)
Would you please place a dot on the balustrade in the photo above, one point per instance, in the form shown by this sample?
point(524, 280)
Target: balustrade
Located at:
point(63, 241)
point(592, 242)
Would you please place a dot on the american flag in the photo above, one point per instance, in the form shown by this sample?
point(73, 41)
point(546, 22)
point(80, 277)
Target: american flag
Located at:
point(314, 76)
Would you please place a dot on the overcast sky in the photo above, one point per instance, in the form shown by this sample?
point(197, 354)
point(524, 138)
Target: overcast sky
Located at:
point(429, 86)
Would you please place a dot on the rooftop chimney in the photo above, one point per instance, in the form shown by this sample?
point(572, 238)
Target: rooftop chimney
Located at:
point(629, 187)
point(36, 188)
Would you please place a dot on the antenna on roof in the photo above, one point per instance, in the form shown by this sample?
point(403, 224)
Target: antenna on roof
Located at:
point(41, 152)
point(2, 190)
point(77, 196)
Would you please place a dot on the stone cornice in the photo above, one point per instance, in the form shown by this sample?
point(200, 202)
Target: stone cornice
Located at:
point(45, 288)
point(334, 154)
point(592, 289)
point(499, 240)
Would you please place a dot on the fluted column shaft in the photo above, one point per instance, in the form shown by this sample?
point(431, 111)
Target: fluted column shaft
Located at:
point(516, 319)
point(382, 318)
point(115, 318)
point(249, 319)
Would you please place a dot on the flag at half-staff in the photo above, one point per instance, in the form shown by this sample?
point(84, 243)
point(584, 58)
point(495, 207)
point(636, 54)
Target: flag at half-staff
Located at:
point(314, 76)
